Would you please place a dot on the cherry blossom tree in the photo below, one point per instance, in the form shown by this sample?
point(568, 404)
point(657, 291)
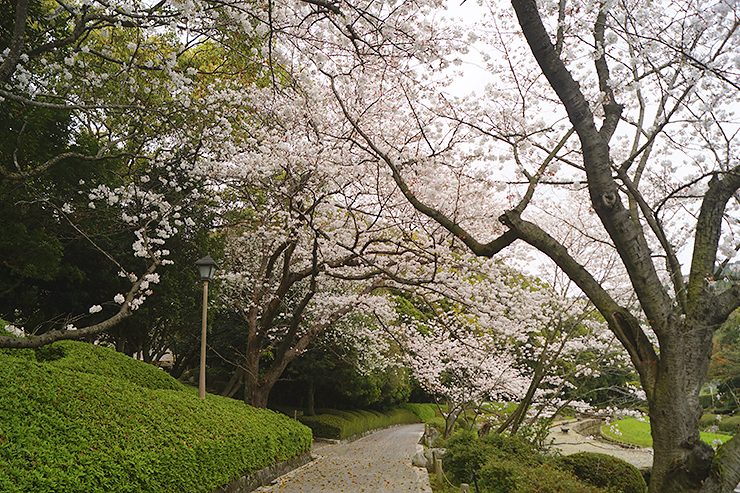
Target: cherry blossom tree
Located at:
point(462, 367)
point(627, 107)
point(490, 334)
point(305, 246)
point(630, 103)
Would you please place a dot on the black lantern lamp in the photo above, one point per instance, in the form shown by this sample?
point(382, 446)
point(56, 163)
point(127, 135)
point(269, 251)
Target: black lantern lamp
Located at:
point(206, 268)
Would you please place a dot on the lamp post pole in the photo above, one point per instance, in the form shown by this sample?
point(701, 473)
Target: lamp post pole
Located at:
point(202, 378)
point(206, 268)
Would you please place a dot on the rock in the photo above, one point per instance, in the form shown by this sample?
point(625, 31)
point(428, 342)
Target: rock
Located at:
point(430, 435)
point(426, 457)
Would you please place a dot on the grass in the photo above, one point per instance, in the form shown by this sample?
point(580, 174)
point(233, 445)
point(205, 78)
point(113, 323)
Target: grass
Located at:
point(637, 433)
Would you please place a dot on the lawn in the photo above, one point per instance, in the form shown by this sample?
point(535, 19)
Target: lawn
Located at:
point(637, 432)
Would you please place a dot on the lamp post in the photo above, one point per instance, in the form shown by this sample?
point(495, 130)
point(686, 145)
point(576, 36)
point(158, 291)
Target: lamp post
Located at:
point(206, 268)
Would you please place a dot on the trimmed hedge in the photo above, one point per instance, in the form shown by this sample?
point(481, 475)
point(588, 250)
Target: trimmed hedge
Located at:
point(514, 477)
point(604, 471)
point(506, 464)
point(466, 451)
point(81, 418)
point(426, 412)
point(339, 425)
point(727, 424)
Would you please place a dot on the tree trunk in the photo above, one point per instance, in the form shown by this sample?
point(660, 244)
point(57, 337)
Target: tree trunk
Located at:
point(257, 396)
point(682, 461)
point(257, 388)
point(310, 395)
point(450, 420)
point(234, 383)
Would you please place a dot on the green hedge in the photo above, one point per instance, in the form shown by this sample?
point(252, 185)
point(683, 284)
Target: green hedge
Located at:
point(466, 451)
point(339, 425)
point(506, 464)
point(726, 424)
point(504, 476)
point(604, 471)
point(426, 412)
point(81, 418)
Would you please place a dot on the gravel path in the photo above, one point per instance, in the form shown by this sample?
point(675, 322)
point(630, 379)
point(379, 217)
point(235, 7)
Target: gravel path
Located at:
point(572, 442)
point(380, 462)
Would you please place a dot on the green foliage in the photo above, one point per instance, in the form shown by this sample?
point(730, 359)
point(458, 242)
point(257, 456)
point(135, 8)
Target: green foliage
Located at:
point(466, 451)
point(726, 424)
point(506, 464)
point(604, 471)
point(102, 361)
point(506, 476)
point(339, 425)
point(425, 412)
point(724, 367)
point(127, 427)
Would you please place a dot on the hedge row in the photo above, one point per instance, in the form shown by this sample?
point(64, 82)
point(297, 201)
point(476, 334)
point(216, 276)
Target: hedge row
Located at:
point(513, 465)
point(426, 412)
point(339, 425)
point(726, 424)
point(81, 418)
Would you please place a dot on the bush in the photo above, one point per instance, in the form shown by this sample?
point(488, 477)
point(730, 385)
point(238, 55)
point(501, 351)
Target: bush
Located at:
point(729, 424)
point(465, 452)
point(706, 400)
point(604, 471)
point(82, 418)
point(707, 420)
point(339, 425)
point(506, 464)
point(503, 476)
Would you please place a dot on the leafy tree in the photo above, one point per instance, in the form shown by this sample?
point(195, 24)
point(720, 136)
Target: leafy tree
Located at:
point(348, 368)
point(105, 127)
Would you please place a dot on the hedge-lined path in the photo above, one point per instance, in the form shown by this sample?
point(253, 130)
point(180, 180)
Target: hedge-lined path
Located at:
point(377, 463)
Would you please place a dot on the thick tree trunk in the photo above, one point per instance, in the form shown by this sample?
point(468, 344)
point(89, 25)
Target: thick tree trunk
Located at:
point(257, 396)
point(682, 461)
point(257, 387)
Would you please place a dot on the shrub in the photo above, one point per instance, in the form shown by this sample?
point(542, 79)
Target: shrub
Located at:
point(707, 420)
point(465, 451)
point(503, 476)
point(729, 424)
point(70, 425)
point(604, 471)
point(325, 425)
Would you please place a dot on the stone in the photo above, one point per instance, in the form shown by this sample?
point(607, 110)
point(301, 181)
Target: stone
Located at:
point(426, 458)
point(430, 435)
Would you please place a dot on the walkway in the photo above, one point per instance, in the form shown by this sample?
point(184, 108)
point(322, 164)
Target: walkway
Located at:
point(572, 442)
point(377, 463)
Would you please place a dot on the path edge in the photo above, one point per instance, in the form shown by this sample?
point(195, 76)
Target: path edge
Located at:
point(264, 477)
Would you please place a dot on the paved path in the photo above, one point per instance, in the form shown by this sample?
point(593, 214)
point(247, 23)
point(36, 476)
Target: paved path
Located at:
point(572, 442)
point(377, 463)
